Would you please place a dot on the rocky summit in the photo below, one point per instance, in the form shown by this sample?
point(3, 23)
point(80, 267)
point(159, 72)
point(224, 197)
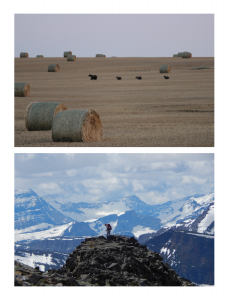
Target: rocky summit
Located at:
point(120, 261)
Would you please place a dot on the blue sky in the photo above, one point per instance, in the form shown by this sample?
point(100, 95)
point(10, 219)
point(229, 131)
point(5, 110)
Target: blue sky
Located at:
point(122, 35)
point(155, 178)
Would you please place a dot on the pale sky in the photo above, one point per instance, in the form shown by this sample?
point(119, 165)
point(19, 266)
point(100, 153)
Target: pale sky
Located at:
point(122, 35)
point(155, 178)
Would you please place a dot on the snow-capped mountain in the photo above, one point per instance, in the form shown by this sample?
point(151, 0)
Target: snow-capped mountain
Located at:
point(33, 213)
point(69, 229)
point(191, 255)
point(170, 213)
point(128, 224)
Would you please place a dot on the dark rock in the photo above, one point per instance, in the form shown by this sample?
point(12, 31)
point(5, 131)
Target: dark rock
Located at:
point(122, 261)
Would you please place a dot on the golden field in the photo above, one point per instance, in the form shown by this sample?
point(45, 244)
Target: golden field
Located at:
point(152, 112)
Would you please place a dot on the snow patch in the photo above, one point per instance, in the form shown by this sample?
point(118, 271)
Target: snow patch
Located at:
point(138, 230)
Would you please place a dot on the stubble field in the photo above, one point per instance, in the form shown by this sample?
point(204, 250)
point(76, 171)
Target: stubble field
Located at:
point(152, 112)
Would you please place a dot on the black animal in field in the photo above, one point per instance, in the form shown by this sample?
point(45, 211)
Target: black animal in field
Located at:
point(92, 77)
point(166, 77)
point(139, 77)
point(119, 78)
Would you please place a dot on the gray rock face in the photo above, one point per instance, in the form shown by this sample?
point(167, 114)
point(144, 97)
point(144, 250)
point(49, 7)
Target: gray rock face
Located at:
point(120, 261)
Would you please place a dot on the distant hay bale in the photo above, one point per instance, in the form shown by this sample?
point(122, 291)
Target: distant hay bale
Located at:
point(39, 56)
point(100, 55)
point(77, 126)
point(71, 57)
point(186, 55)
point(39, 115)
point(53, 68)
point(66, 53)
point(200, 68)
point(22, 89)
point(175, 55)
point(165, 69)
point(24, 54)
point(180, 54)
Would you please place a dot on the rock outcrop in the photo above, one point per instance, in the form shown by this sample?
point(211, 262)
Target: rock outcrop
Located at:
point(120, 261)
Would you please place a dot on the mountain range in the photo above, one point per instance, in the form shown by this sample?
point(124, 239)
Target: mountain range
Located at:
point(44, 224)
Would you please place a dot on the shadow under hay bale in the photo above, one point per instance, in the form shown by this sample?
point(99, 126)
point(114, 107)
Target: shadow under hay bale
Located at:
point(22, 89)
point(53, 68)
point(165, 69)
point(77, 126)
point(39, 115)
point(186, 55)
point(66, 53)
point(39, 56)
point(71, 57)
point(24, 55)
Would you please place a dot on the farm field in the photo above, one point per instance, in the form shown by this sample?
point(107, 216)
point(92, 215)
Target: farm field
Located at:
point(152, 112)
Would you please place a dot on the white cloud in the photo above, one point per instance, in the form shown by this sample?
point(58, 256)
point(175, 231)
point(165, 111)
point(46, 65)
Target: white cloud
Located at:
point(49, 188)
point(193, 179)
point(26, 156)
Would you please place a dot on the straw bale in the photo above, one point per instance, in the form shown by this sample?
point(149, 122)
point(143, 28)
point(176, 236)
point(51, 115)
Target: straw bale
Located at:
point(53, 68)
point(39, 115)
point(77, 126)
point(24, 55)
point(71, 57)
point(180, 54)
point(22, 89)
point(165, 69)
point(66, 53)
point(100, 55)
point(39, 56)
point(186, 55)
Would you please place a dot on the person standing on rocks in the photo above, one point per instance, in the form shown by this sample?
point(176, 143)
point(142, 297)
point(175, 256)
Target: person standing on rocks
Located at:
point(108, 228)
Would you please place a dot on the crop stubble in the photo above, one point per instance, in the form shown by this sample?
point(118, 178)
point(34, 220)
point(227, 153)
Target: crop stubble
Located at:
point(152, 112)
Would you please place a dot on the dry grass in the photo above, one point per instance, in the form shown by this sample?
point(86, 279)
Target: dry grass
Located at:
point(152, 112)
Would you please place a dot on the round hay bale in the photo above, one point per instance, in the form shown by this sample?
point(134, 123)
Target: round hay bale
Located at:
point(22, 89)
point(100, 55)
point(39, 56)
point(71, 57)
point(53, 68)
point(175, 55)
point(66, 53)
point(165, 69)
point(186, 55)
point(24, 55)
point(180, 54)
point(77, 126)
point(39, 115)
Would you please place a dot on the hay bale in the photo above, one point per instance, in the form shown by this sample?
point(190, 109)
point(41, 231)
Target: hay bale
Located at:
point(100, 55)
point(165, 69)
point(53, 68)
point(186, 55)
point(24, 54)
point(71, 57)
point(77, 126)
point(175, 55)
point(66, 53)
point(39, 115)
point(22, 89)
point(39, 56)
point(180, 54)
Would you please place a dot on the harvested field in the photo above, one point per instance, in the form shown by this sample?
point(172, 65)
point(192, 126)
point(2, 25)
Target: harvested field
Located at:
point(152, 112)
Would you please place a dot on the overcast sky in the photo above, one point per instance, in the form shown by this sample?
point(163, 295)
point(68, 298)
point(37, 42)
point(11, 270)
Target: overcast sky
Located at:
point(122, 35)
point(155, 178)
